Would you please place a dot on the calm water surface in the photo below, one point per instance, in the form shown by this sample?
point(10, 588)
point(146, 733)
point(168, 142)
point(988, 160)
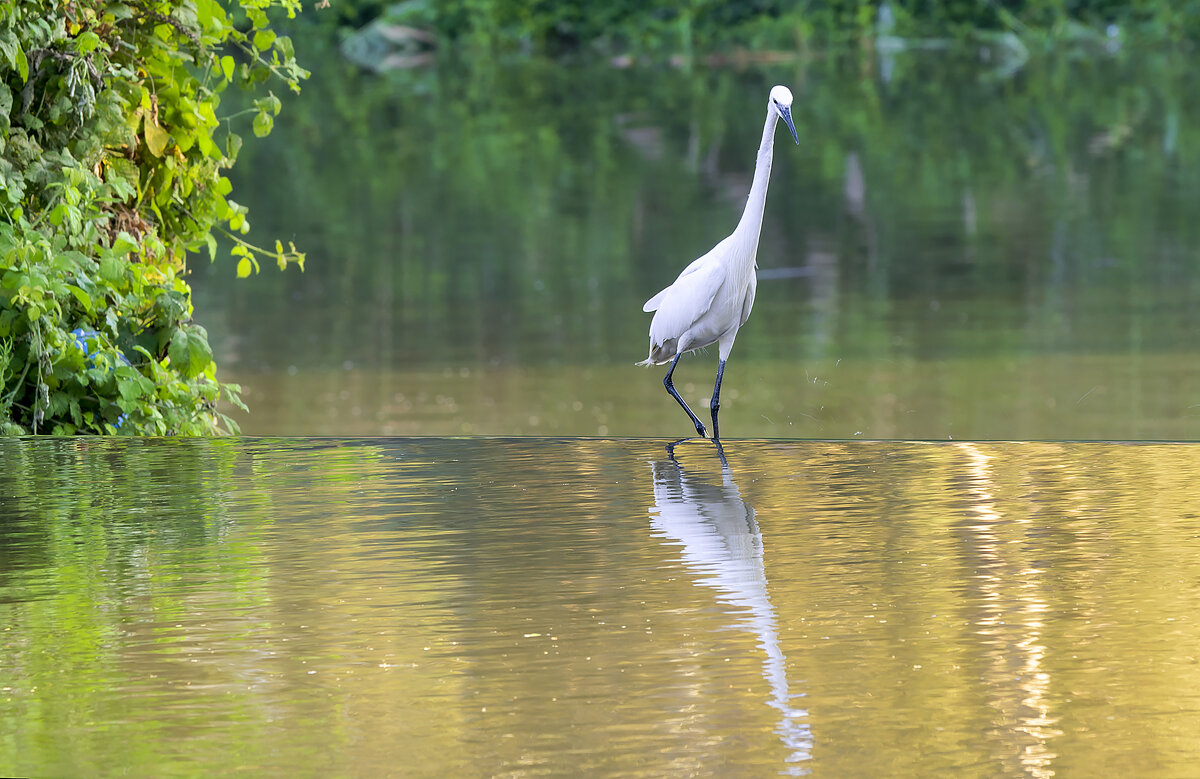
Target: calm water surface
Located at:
point(481, 607)
point(956, 249)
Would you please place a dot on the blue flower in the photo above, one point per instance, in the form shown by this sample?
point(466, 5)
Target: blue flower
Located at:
point(82, 337)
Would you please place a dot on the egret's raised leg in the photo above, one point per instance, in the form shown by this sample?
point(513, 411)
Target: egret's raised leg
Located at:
point(715, 405)
point(671, 389)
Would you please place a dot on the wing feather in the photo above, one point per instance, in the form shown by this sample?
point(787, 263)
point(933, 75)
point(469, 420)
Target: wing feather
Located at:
point(653, 303)
point(683, 303)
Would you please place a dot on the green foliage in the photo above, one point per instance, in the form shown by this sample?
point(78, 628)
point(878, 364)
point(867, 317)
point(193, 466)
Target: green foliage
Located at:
point(112, 152)
point(720, 27)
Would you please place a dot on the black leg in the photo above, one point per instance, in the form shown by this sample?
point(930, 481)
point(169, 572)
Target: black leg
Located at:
point(671, 389)
point(715, 405)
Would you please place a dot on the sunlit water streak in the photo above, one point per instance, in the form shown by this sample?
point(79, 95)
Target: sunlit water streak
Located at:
point(1006, 586)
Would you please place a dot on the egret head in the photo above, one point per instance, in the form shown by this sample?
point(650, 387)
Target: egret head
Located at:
point(781, 103)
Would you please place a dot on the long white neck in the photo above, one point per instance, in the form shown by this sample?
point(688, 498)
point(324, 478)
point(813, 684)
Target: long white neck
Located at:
point(751, 224)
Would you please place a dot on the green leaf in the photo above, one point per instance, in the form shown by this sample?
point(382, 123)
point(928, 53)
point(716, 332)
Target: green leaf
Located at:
point(207, 112)
point(179, 353)
point(204, 141)
point(156, 137)
point(185, 139)
point(145, 385)
point(243, 268)
point(263, 39)
point(122, 175)
point(233, 144)
point(189, 351)
point(123, 244)
point(233, 395)
point(22, 64)
point(286, 50)
point(263, 122)
point(199, 352)
point(87, 42)
point(9, 45)
point(269, 103)
point(170, 306)
point(112, 269)
point(84, 298)
point(129, 388)
point(227, 65)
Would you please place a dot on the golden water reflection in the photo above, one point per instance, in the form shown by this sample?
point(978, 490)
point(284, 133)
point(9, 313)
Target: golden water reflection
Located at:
point(512, 606)
point(1006, 587)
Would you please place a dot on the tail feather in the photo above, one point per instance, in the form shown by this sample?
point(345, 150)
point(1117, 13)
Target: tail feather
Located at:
point(661, 353)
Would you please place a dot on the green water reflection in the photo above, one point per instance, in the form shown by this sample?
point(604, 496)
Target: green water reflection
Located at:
point(954, 250)
point(491, 606)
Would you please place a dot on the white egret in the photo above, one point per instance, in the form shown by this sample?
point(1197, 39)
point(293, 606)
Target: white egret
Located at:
point(713, 296)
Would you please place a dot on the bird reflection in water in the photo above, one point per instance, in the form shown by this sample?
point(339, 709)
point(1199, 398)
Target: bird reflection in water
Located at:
point(721, 542)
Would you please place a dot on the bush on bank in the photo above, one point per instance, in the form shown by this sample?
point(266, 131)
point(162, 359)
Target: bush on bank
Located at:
point(112, 151)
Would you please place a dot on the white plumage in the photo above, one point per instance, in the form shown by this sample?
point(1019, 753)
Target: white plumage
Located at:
point(713, 296)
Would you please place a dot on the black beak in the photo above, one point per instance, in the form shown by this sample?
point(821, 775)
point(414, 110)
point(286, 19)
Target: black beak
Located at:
point(786, 113)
